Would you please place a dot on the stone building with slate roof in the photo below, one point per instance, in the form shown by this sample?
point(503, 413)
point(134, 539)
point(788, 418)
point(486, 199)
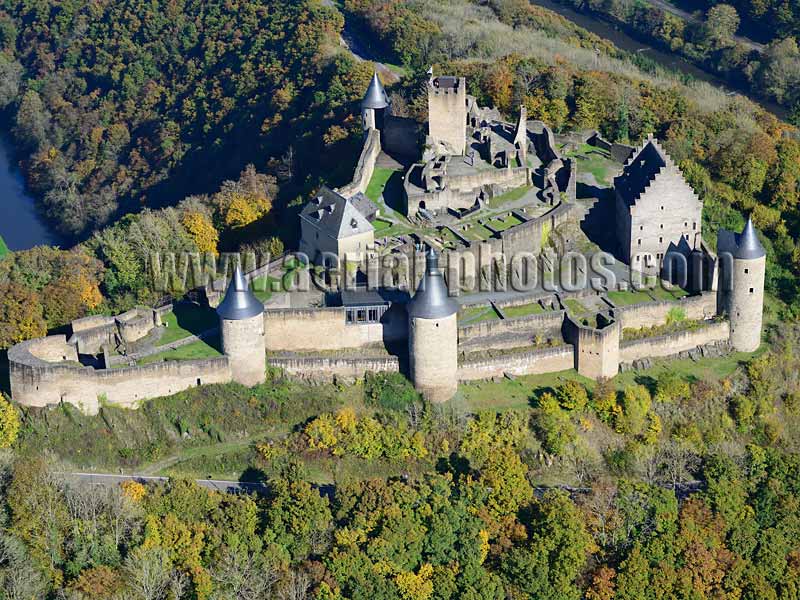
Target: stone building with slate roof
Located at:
point(333, 225)
point(656, 210)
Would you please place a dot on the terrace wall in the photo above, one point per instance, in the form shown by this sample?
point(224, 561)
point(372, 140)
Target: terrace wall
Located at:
point(700, 307)
point(536, 362)
point(319, 369)
point(668, 345)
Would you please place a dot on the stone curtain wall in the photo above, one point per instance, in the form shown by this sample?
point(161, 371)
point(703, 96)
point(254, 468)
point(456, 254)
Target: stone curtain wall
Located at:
point(635, 316)
point(545, 324)
point(365, 166)
point(536, 362)
point(35, 382)
point(667, 345)
point(318, 369)
point(292, 330)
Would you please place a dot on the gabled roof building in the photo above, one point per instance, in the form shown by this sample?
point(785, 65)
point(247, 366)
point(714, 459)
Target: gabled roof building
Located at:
point(657, 211)
point(331, 224)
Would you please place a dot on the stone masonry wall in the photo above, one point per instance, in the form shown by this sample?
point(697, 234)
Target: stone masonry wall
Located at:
point(536, 362)
point(635, 316)
point(36, 382)
point(667, 345)
point(544, 323)
point(293, 330)
point(320, 369)
point(365, 166)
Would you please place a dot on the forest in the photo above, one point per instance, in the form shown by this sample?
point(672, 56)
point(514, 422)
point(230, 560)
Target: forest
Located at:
point(709, 39)
point(117, 106)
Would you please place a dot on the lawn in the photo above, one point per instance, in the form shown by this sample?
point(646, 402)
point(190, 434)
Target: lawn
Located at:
point(186, 320)
point(3, 248)
point(195, 350)
point(509, 196)
point(477, 233)
point(380, 225)
point(380, 177)
point(524, 310)
point(629, 297)
point(477, 314)
point(503, 223)
point(665, 294)
point(596, 161)
point(576, 308)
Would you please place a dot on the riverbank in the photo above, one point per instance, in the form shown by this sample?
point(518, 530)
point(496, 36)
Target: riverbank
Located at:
point(21, 225)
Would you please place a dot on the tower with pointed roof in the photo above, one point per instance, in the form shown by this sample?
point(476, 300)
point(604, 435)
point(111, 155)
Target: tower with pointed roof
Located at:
point(374, 105)
point(433, 335)
point(742, 267)
point(241, 320)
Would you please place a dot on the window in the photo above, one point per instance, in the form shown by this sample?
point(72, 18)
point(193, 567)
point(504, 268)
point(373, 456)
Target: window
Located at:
point(662, 208)
point(638, 258)
point(640, 241)
point(694, 225)
point(641, 227)
point(751, 290)
point(661, 240)
point(685, 224)
point(662, 226)
point(746, 271)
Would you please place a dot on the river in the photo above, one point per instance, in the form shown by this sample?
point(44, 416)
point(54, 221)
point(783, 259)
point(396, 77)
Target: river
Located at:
point(21, 227)
point(673, 61)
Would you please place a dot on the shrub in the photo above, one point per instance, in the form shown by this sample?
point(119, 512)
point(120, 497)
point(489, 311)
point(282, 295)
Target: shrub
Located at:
point(572, 395)
point(391, 391)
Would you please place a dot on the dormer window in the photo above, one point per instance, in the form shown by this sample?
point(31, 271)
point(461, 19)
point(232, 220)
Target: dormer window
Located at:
point(353, 223)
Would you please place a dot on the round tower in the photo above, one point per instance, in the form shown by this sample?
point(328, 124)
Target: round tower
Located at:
point(433, 335)
point(744, 301)
point(374, 105)
point(241, 320)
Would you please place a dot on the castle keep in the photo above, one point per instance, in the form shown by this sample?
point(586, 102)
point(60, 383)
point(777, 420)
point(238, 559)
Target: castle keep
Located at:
point(478, 192)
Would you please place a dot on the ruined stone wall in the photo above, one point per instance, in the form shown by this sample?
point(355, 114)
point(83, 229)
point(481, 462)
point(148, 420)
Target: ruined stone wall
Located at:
point(667, 345)
point(365, 165)
point(319, 369)
point(529, 236)
point(635, 316)
point(548, 323)
point(91, 340)
point(135, 324)
point(36, 382)
point(536, 362)
point(293, 330)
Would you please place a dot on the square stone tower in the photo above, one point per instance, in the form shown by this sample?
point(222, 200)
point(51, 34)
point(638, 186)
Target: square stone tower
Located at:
point(447, 114)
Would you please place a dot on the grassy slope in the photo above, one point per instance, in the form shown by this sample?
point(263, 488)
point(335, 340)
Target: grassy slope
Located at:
point(3, 248)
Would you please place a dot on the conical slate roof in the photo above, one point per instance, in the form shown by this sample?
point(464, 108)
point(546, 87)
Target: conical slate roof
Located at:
point(749, 246)
point(376, 96)
point(239, 302)
point(432, 300)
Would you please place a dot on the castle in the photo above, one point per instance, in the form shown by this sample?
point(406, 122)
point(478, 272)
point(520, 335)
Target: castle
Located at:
point(652, 221)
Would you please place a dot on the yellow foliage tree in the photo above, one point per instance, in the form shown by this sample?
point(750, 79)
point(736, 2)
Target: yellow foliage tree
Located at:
point(201, 229)
point(9, 422)
point(133, 490)
point(417, 586)
point(244, 209)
